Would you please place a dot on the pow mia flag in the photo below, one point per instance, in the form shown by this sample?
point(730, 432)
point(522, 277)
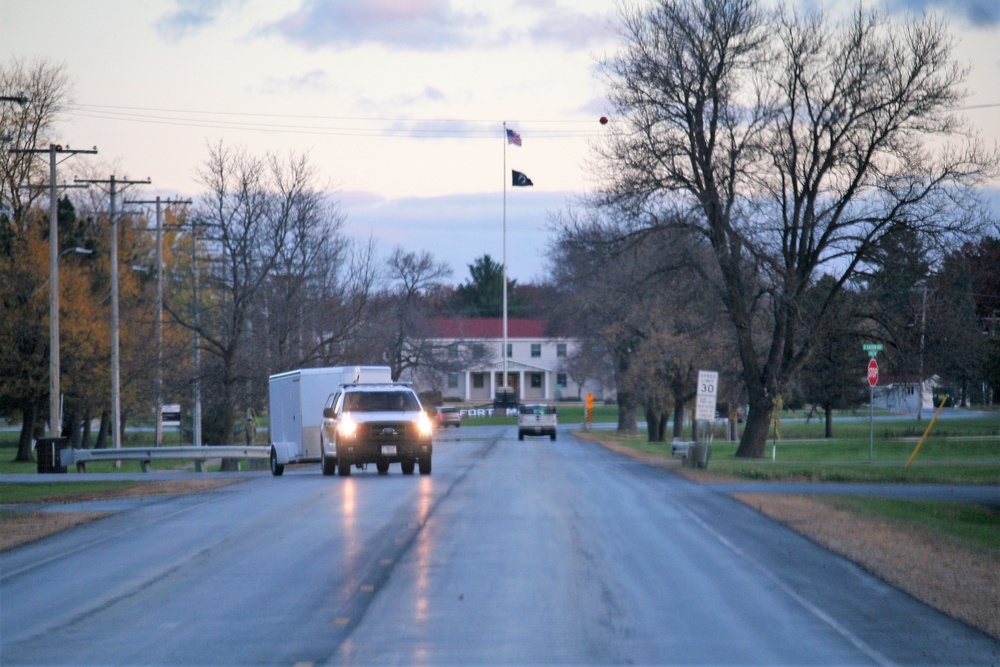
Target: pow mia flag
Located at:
point(519, 179)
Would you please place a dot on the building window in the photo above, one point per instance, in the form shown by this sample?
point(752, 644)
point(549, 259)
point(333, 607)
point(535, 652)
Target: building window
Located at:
point(477, 381)
point(561, 380)
point(560, 349)
point(510, 350)
point(536, 349)
point(536, 380)
point(452, 380)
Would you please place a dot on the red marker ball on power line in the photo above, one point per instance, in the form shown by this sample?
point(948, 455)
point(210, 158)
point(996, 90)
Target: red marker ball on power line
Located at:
point(604, 120)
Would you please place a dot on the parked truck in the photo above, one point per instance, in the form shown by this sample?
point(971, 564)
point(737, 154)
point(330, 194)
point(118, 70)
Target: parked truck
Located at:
point(297, 399)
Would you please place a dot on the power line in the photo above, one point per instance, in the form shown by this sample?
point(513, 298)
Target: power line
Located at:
point(382, 119)
point(350, 126)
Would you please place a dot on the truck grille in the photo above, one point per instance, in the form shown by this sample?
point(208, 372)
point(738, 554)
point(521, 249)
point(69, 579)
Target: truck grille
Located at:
point(388, 431)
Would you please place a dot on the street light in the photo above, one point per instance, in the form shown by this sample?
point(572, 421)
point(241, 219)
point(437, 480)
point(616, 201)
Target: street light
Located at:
point(78, 250)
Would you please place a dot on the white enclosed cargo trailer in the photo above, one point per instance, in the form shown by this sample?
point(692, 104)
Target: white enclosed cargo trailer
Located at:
point(297, 399)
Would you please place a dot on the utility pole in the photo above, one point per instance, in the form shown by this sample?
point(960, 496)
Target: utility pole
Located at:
point(116, 407)
point(159, 309)
point(195, 339)
point(55, 415)
point(923, 331)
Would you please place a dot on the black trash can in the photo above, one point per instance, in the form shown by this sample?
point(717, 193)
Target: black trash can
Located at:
point(47, 453)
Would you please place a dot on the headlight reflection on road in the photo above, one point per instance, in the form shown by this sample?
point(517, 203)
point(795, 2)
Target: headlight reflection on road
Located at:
point(350, 519)
point(424, 551)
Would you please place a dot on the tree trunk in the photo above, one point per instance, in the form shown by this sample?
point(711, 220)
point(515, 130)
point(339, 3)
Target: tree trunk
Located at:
point(661, 432)
point(85, 436)
point(652, 415)
point(828, 431)
point(71, 424)
point(229, 432)
point(678, 419)
point(754, 439)
point(29, 413)
point(626, 413)
point(102, 434)
point(694, 427)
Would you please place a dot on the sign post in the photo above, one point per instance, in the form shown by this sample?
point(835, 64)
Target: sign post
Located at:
point(872, 349)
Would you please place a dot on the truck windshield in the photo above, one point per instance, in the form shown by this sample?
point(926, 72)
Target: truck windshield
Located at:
point(380, 401)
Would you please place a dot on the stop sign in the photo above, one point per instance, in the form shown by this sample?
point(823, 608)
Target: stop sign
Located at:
point(872, 373)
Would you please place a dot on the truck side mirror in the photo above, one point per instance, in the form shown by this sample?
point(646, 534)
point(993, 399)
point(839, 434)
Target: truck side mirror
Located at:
point(329, 413)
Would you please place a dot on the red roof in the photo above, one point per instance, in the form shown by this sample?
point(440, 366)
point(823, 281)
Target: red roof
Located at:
point(487, 327)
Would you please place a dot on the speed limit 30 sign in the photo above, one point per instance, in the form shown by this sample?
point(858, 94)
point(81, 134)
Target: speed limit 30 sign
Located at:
point(708, 385)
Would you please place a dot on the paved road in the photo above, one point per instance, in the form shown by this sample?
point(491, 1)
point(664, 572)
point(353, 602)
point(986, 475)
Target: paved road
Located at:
point(511, 552)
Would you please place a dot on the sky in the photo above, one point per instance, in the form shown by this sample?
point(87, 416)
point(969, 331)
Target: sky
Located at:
point(399, 104)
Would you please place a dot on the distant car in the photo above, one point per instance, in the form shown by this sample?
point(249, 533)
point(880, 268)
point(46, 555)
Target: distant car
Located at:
point(536, 419)
point(448, 416)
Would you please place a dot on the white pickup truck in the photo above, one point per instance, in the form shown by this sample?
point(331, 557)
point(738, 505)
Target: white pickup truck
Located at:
point(536, 419)
point(297, 401)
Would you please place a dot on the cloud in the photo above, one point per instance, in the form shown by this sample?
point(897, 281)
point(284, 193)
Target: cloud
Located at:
point(397, 24)
point(189, 17)
point(457, 229)
point(567, 27)
point(977, 12)
point(432, 25)
point(313, 80)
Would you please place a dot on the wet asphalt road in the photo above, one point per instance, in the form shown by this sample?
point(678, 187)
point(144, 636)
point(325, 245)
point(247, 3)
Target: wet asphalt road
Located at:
point(531, 552)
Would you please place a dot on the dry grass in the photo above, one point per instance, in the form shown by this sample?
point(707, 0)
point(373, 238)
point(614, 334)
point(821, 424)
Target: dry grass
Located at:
point(960, 582)
point(23, 527)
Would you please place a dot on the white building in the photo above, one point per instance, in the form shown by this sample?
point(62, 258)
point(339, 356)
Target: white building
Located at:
point(536, 363)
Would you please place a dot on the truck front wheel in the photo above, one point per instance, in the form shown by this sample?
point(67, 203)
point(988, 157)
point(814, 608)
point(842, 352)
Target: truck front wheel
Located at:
point(329, 464)
point(343, 465)
point(425, 465)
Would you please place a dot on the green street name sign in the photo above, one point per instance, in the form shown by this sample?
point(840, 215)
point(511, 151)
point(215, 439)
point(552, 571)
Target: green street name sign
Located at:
point(872, 349)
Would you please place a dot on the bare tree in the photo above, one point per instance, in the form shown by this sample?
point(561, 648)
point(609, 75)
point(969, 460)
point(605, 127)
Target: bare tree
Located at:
point(635, 291)
point(47, 91)
point(411, 277)
point(793, 145)
point(258, 215)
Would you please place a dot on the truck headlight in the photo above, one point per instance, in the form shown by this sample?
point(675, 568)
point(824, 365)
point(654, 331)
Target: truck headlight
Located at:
point(424, 425)
point(347, 427)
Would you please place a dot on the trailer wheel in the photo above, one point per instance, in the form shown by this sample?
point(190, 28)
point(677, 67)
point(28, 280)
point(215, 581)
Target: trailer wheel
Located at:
point(382, 467)
point(407, 466)
point(276, 468)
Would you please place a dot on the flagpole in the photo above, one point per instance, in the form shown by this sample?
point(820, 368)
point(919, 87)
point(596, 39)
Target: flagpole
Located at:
point(503, 350)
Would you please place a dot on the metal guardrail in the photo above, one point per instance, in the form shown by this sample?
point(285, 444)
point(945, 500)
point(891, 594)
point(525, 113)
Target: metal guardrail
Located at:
point(145, 455)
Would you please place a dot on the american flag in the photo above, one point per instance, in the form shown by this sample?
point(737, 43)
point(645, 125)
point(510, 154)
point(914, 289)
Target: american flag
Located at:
point(513, 138)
